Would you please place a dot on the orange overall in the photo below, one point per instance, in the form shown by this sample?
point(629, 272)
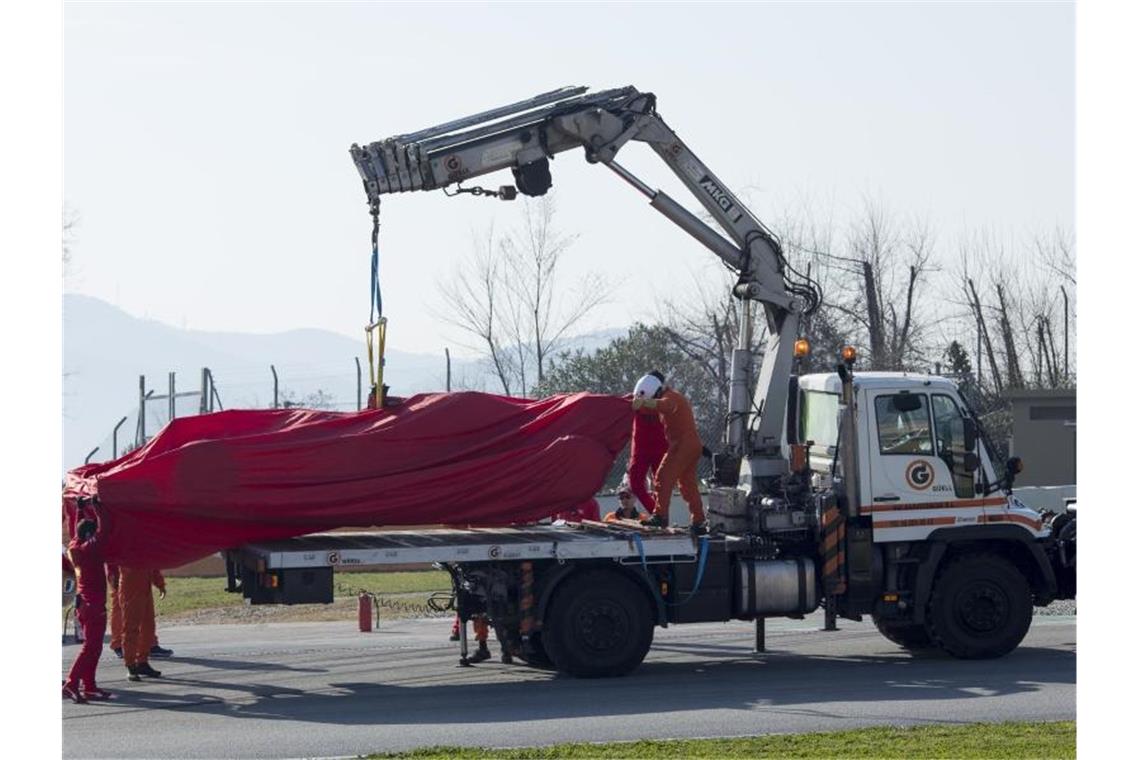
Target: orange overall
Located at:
point(679, 466)
point(116, 619)
point(138, 612)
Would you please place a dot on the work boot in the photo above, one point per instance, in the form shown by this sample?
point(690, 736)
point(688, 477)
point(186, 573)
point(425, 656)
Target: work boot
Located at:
point(118, 652)
point(453, 637)
point(96, 693)
point(157, 651)
point(699, 529)
point(73, 693)
point(144, 669)
point(654, 521)
point(482, 653)
point(133, 673)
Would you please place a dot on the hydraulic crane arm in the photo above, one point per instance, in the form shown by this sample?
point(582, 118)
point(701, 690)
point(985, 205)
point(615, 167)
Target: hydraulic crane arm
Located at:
point(523, 137)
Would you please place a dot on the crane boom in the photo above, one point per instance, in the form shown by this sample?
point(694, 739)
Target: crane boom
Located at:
point(523, 136)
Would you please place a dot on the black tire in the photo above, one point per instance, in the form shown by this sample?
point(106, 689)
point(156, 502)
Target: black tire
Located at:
point(599, 624)
point(981, 607)
point(534, 653)
point(912, 636)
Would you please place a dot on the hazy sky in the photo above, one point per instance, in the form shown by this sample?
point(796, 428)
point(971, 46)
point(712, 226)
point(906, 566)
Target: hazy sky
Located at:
point(206, 145)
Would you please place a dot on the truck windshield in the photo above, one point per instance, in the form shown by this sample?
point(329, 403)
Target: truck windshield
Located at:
point(819, 421)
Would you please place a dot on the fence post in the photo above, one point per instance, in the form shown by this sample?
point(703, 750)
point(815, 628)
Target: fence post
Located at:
point(170, 405)
point(447, 354)
point(274, 371)
point(359, 387)
point(140, 428)
point(115, 438)
point(204, 401)
point(91, 453)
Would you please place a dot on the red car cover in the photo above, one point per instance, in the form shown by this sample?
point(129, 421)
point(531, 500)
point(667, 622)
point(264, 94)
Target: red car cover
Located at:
point(220, 480)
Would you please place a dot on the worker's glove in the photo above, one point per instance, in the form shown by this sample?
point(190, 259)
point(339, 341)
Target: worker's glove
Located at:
point(162, 593)
point(638, 402)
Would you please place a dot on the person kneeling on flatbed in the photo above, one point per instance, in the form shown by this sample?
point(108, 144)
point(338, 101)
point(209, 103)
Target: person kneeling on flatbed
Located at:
point(679, 466)
point(627, 509)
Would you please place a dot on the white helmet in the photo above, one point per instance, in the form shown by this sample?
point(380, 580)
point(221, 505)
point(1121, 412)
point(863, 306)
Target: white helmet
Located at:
point(647, 387)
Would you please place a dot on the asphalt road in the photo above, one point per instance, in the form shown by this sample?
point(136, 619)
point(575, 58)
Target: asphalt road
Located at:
point(284, 690)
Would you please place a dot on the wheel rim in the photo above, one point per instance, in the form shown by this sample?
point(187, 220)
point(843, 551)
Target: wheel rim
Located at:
point(982, 607)
point(602, 626)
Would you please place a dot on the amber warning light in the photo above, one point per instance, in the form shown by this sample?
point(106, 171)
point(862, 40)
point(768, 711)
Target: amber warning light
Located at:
point(801, 349)
point(849, 354)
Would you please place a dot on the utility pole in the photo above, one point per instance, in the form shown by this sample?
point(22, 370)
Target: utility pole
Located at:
point(170, 405)
point(447, 354)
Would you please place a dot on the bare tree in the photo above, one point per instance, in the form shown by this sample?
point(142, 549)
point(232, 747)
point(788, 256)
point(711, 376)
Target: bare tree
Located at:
point(533, 255)
point(512, 298)
point(476, 301)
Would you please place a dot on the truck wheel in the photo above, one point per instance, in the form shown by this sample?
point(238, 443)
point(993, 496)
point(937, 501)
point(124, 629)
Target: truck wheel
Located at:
point(534, 653)
point(981, 607)
point(906, 635)
point(599, 624)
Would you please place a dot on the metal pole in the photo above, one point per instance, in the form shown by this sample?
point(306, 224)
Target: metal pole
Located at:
point(274, 371)
point(170, 396)
point(359, 387)
point(829, 615)
point(90, 454)
point(204, 402)
point(115, 438)
point(140, 428)
point(759, 646)
point(447, 354)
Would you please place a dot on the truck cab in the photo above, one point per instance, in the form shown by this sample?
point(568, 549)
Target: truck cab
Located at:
point(922, 464)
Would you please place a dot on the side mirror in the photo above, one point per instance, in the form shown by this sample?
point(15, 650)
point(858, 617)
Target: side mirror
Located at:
point(970, 462)
point(969, 435)
point(1012, 467)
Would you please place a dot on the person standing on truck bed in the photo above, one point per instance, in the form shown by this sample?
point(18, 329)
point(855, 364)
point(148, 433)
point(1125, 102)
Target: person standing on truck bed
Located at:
point(646, 449)
point(679, 465)
point(86, 552)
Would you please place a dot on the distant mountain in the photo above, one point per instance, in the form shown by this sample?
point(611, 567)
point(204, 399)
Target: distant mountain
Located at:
point(105, 350)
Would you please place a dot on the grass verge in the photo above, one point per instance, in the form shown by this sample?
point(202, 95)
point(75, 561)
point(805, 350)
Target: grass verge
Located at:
point(188, 596)
point(978, 740)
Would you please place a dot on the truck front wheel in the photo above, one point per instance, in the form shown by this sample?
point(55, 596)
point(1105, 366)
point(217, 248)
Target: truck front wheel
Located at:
point(907, 635)
point(599, 624)
point(981, 607)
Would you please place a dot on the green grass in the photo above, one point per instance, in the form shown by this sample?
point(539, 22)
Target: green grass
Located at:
point(185, 595)
point(979, 740)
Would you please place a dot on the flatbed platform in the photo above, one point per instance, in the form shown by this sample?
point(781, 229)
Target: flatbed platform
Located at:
point(561, 542)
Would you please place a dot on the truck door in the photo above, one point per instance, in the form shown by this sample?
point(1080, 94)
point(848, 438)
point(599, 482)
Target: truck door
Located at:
point(906, 469)
point(919, 480)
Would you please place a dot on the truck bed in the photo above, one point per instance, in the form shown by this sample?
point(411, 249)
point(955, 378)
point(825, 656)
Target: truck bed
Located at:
point(563, 542)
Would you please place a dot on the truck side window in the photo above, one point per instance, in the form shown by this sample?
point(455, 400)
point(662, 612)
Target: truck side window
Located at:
point(904, 424)
point(951, 436)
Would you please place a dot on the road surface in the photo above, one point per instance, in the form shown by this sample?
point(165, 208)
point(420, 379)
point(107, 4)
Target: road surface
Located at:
point(285, 690)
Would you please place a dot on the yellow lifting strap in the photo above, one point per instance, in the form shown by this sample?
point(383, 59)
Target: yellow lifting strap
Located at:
point(375, 336)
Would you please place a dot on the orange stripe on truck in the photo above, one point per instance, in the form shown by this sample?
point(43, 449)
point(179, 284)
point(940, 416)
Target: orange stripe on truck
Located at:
point(958, 504)
point(915, 523)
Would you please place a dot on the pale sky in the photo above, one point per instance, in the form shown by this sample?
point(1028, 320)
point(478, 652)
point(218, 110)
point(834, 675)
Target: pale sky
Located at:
point(206, 145)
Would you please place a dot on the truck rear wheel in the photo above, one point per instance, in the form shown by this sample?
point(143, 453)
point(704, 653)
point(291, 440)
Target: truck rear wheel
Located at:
point(906, 635)
point(599, 624)
point(981, 607)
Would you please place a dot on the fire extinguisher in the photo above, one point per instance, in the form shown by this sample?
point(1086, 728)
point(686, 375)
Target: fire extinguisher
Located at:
point(364, 611)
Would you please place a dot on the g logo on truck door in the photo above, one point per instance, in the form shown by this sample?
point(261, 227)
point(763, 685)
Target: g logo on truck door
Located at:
point(919, 475)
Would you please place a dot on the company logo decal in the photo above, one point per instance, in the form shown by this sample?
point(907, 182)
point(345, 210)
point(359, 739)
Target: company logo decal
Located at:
point(919, 475)
point(720, 197)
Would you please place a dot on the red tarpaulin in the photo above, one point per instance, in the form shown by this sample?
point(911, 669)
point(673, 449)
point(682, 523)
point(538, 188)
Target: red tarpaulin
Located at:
point(220, 480)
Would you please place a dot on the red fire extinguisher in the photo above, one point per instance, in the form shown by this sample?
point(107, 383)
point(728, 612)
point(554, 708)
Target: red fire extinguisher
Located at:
point(364, 611)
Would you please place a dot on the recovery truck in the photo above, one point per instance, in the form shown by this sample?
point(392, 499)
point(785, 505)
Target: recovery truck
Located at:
point(868, 493)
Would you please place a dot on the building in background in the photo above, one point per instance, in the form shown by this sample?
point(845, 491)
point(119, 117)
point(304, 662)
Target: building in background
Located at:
point(1045, 437)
